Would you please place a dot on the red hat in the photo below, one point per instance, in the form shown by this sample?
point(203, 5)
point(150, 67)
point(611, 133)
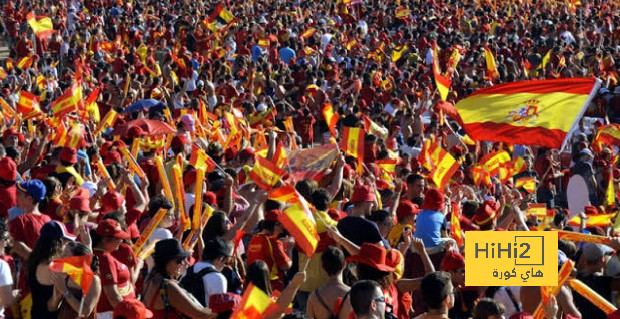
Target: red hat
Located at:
point(189, 177)
point(68, 154)
point(245, 153)
point(433, 200)
point(112, 200)
point(112, 157)
point(224, 302)
point(110, 228)
point(179, 141)
point(590, 210)
point(210, 198)
point(80, 203)
point(363, 194)
point(103, 151)
point(406, 208)
point(10, 132)
point(8, 169)
point(272, 215)
point(372, 255)
point(335, 214)
point(135, 131)
point(132, 309)
point(525, 315)
point(616, 174)
point(452, 260)
point(486, 212)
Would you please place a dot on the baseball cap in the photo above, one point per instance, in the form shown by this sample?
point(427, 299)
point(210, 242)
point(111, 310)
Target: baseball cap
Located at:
point(68, 155)
point(189, 122)
point(592, 252)
point(110, 228)
point(55, 229)
point(132, 309)
point(33, 188)
point(112, 200)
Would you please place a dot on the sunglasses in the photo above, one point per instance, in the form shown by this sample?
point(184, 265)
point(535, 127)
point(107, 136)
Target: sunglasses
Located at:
point(180, 260)
point(380, 299)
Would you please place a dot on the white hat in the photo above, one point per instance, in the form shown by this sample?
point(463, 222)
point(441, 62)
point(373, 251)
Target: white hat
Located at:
point(261, 107)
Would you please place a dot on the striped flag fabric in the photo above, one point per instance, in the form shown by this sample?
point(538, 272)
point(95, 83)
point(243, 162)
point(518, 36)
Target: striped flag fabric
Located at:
point(69, 101)
point(353, 142)
point(7, 111)
point(28, 104)
point(455, 226)
point(78, 269)
point(492, 72)
point(608, 134)
point(442, 82)
point(330, 117)
point(308, 33)
point(492, 162)
point(526, 112)
point(255, 304)
point(265, 173)
point(200, 159)
point(526, 183)
point(25, 63)
point(220, 19)
point(437, 160)
point(41, 25)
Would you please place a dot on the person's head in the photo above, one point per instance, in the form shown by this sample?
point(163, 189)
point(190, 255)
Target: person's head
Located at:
point(29, 194)
point(306, 188)
point(406, 212)
point(4, 235)
point(216, 226)
point(437, 291)
point(111, 201)
point(75, 248)
point(161, 202)
point(170, 258)
point(454, 263)
point(321, 199)
point(372, 264)
point(270, 223)
point(217, 251)
point(364, 200)
point(384, 221)
point(595, 256)
point(258, 275)
point(108, 235)
point(488, 308)
point(415, 186)
point(367, 300)
point(131, 309)
point(332, 261)
point(53, 237)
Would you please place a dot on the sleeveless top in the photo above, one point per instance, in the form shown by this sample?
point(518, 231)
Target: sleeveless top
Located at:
point(66, 312)
point(40, 295)
point(168, 312)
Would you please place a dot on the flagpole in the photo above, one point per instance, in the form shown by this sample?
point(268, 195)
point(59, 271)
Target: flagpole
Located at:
point(81, 306)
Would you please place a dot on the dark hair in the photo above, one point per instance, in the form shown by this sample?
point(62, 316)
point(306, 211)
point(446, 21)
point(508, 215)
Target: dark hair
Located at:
point(332, 260)
point(117, 216)
point(488, 307)
point(321, 199)
point(80, 249)
point(4, 226)
point(44, 250)
point(214, 228)
point(306, 188)
point(50, 187)
point(469, 208)
point(383, 278)
point(157, 202)
point(258, 274)
point(362, 294)
point(217, 246)
point(413, 178)
point(435, 288)
point(378, 216)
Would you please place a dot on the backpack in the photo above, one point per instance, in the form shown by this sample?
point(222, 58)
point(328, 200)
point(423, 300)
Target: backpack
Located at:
point(192, 282)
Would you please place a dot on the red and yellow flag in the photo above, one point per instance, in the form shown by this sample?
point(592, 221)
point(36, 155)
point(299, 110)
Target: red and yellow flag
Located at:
point(255, 304)
point(92, 109)
point(455, 226)
point(297, 219)
point(220, 19)
point(28, 104)
point(527, 183)
point(265, 173)
point(492, 162)
point(308, 33)
point(200, 159)
point(330, 117)
point(108, 121)
point(78, 269)
point(41, 25)
point(353, 142)
point(402, 13)
point(437, 160)
point(25, 62)
point(7, 110)
point(608, 134)
point(69, 101)
point(491, 65)
point(526, 112)
point(443, 82)
point(388, 165)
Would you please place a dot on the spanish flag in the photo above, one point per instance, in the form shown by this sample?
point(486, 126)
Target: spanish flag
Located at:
point(92, 108)
point(78, 269)
point(517, 166)
point(25, 63)
point(69, 101)
point(608, 134)
point(441, 164)
point(443, 82)
point(491, 65)
point(41, 25)
point(373, 128)
point(402, 13)
point(330, 117)
point(7, 110)
point(28, 104)
point(200, 159)
point(455, 226)
point(492, 162)
point(265, 173)
point(297, 219)
point(610, 194)
point(525, 112)
point(526, 183)
point(3, 74)
point(308, 33)
point(398, 51)
point(353, 142)
point(108, 121)
point(388, 165)
point(480, 176)
point(255, 304)
point(455, 58)
point(220, 18)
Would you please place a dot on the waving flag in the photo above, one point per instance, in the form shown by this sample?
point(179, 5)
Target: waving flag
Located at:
point(492, 162)
point(265, 173)
point(28, 104)
point(437, 160)
point(455, 226)
point(255, 304)
point(200, 159)
point(41, 25)
point(527, 183)
point(330, 117)
point(491, 65)
point(608, 134)
point(443, 82)
point(353, 142)
point(526, 112)
point(69, 101)
point(220, 19)
point(78, 269)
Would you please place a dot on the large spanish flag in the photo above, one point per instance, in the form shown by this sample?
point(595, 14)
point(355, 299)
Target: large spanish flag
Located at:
point(69, 101)
point(78, 269)
point(526, 112)
point(443, 82)
point(41, 25)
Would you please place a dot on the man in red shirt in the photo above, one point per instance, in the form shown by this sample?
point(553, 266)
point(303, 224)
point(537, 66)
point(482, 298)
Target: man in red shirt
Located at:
point(8, 191)
point(24, 229)
point(265, 246)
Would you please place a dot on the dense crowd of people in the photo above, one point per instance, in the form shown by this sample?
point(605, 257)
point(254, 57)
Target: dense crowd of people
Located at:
point(228, 85)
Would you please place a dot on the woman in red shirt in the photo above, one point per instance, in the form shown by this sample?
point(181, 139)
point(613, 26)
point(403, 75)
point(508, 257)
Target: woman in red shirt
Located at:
point(115, 278)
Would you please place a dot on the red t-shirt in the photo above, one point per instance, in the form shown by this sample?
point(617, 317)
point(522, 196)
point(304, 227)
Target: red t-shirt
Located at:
point(8, 199)
point(52, 209)
point(26, 227)
point(113, 272)
point(270, 251)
